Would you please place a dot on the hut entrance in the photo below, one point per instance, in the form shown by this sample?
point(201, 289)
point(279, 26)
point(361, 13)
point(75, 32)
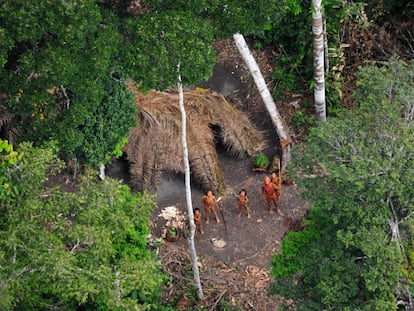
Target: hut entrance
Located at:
point(218, 141)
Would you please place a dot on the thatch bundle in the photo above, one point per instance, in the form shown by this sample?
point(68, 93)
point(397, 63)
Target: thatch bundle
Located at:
point(155, 144)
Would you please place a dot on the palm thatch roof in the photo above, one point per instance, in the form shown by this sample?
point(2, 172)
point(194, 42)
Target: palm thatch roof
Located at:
point(155, 144)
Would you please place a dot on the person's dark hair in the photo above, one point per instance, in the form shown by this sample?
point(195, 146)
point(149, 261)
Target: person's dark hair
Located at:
point(196, 209)
point(245, 192)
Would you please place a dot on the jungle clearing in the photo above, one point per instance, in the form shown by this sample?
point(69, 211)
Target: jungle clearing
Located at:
point(238, 274)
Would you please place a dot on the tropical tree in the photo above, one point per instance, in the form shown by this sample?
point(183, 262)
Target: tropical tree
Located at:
point(355, 252)
point(250, 17)
point(156, 42)
point(101, 133)
point(84, 249)
point(62, 73)
point(55, 71)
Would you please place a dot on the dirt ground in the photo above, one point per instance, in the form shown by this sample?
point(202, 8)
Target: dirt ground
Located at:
point(236, 276)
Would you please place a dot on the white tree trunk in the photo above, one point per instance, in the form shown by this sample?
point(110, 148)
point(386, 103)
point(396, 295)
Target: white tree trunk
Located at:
point(102, 172)
point(318, 61)
point(118, 287)
point(325, 45)
point(265, 94)
point(191, 244)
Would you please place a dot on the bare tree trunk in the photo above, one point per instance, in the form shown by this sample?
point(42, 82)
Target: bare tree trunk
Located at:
point(118, 287)
point(102, 172)
point(266, 96)
point(318, 61)
point(325, 44)
point(191, 244)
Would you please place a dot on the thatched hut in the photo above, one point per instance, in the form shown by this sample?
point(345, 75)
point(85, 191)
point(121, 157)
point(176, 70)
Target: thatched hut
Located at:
point(155, 144)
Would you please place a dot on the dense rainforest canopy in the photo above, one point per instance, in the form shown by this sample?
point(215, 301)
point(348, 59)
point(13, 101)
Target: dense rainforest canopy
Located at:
point(63, 98)
point(355, 250)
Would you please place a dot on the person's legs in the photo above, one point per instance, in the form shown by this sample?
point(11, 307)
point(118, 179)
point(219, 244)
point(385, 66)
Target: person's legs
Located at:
point(213, 210)
point(269, 205)
point(199, 229)
point(206, 209)
point(240, 210)
point(247, 212)
point(275, 202)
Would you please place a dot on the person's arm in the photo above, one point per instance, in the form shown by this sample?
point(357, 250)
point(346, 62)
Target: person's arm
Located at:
point(276, 186)
point(263, 194)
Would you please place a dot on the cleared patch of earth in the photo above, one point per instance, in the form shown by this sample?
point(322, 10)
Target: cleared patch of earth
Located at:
point(237, 275)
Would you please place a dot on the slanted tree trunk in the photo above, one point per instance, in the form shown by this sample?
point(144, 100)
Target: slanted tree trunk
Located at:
point(266, 96)
point(191, 244)
point(318, 61)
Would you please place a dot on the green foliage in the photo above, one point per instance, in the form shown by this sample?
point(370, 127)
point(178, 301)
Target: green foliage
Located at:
point(156, 43)
point(380, 10)
point(5, 45)
point(172, 231)
point(361, 164)
point(8, 156)
point(382, 87)
point(74, 250)
point(55, 72)
point(300, 119)
point(289, 30)
point(8, 161)
point(288, 262)
point(59, 78)
point(286, 79)
point(72, 48)
point(261, 160)
point(250, 17)
point(101, 134)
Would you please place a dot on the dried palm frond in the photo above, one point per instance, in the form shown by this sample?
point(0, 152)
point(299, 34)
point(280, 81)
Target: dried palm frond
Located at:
point(5, 117)
point(155, 144)
point(7, 131)
point(203, 157)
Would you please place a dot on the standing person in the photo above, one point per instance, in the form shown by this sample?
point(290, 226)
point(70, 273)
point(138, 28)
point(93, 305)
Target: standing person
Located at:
point(243, 203)
point(277, 181)
point(269, 195)
point(197, 220)
point(210, 203)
